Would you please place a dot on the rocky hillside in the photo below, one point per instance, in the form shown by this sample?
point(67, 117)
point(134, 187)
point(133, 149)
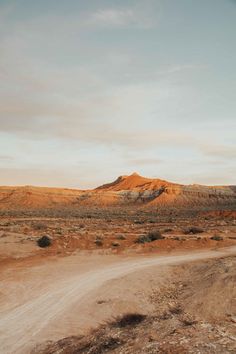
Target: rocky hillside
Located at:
point(125, 190)
point(157, 192)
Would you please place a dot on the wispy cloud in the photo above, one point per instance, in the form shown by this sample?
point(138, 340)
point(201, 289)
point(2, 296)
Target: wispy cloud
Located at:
point(219, 151)
point(6, 158)
point(119, 18)
point(112, 17)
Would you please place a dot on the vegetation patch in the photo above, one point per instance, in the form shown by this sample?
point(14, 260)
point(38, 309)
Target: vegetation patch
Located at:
point(115, 244)
point(139, 222)
point(98, 242)
point(120, 237)
point(217, 238)
point(44, 241)
point(193, 230)
point(129, 319)
point(150, 237)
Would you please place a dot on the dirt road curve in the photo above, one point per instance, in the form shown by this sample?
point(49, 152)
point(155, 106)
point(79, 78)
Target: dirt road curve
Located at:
point(21, 325)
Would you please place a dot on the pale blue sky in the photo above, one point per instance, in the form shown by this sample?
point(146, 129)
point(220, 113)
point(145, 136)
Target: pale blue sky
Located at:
point(90, 90)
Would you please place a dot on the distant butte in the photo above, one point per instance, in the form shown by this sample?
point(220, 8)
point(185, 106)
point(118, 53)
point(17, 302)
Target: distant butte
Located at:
point(132, 190)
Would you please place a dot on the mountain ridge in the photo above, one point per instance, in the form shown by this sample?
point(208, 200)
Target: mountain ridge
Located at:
point(125, 190)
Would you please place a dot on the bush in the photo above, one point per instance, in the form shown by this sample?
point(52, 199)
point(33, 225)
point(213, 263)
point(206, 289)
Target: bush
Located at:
point(193, 230)
point(44, 241)
point(216, 238)
point(120, 237)
point(129, 319)
point(98, 242)
point(115, 244)
point(138, 222)
point(155, 235)
point(150, 237)
point(142, 239)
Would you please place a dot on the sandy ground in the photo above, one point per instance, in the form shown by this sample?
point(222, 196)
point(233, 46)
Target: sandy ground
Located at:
point(52, 300)
point(18, 236)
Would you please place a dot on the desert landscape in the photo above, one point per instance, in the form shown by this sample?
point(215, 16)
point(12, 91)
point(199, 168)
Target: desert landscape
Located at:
point(138, 265)
point(117, 177)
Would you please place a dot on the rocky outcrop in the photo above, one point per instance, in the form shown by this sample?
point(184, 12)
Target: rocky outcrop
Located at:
point(160, 193)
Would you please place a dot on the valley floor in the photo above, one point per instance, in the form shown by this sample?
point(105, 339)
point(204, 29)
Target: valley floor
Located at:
point(103, 265)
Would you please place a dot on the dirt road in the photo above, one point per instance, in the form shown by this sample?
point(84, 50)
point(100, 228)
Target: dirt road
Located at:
point(25, 323)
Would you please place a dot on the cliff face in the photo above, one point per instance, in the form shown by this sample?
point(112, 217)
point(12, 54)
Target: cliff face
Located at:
point(125, 190)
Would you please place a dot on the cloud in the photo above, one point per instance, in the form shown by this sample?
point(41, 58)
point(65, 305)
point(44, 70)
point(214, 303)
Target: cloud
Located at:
point(6, 158)
point(84, 81)
point(82, 103)
point(78, 103)
point(140, 15)
point(219, 151)
point(112, 17)
point(107, 119)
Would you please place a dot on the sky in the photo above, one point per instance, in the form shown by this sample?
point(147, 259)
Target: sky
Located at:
point(91, 90)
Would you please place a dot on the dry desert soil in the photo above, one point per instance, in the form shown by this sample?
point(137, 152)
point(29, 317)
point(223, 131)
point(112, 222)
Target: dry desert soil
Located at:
point(135, 266)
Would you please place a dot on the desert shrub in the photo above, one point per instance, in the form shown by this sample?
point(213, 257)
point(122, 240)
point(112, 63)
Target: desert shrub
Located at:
point(120, 237)
point(44, 241)
point(193, 230)
point(176, 238)
point(150, 237)
point(155, 235)
point(142, 239)
point(129, 319)
point(138, 222)
point(168, 230)
point(217, 238)
point(98, 242)
point(115, 244)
